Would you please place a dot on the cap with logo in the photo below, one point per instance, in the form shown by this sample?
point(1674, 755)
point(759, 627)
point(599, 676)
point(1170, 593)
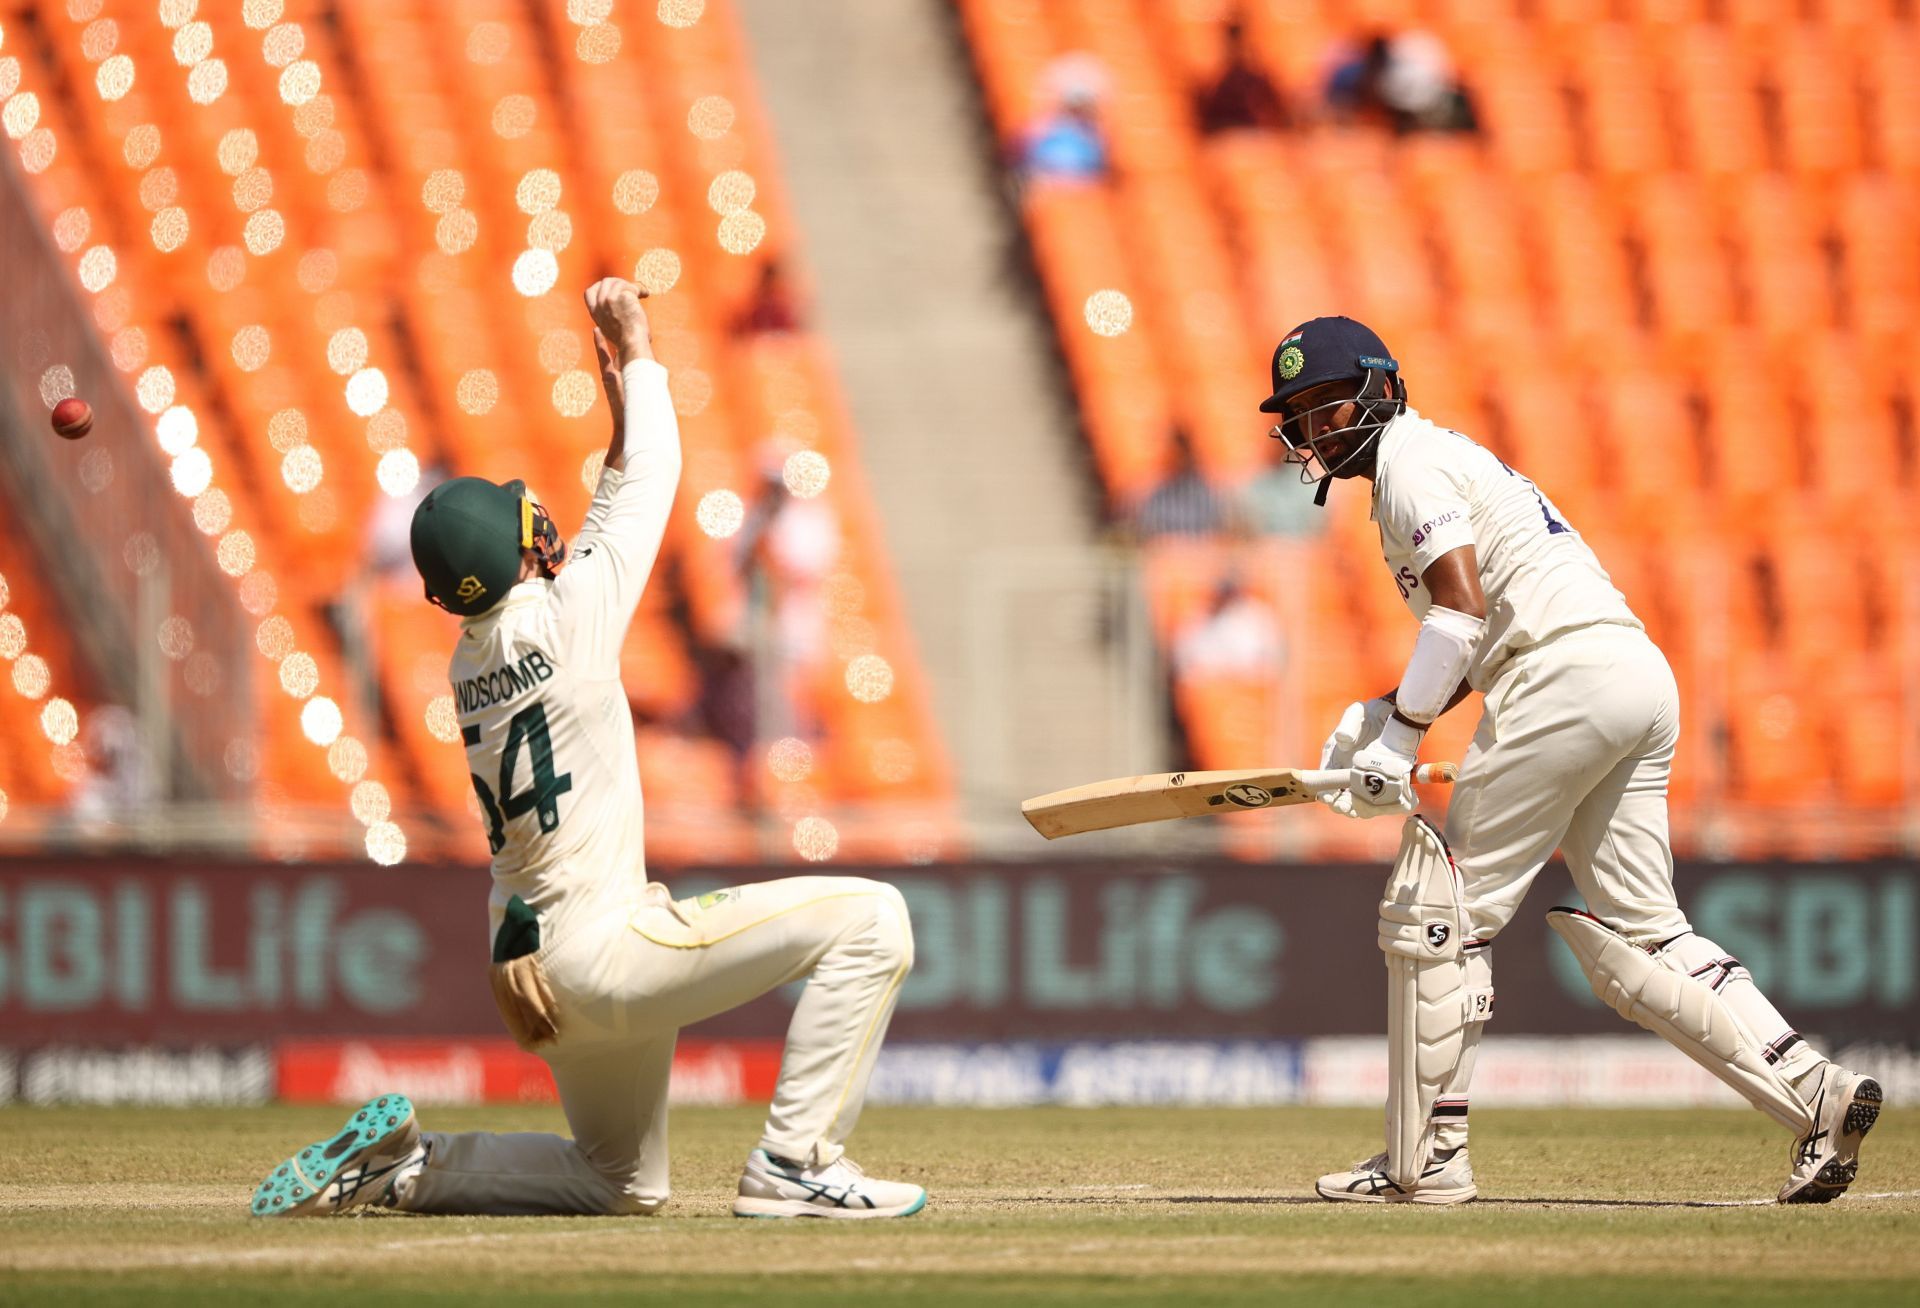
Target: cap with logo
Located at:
point(466, 542)
point(1323, 350)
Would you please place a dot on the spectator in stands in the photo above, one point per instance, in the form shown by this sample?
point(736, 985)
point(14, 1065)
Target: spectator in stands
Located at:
point(1238, 636)
point(797, 545)
point(1185, 503)
point(1242, 98)
point(389, 558)
point(119, 784)
point(1069, 144)
point(1421, 90)
point(1405, 82)
point(771, 309)
point(1278, 503)
point(1352, 92)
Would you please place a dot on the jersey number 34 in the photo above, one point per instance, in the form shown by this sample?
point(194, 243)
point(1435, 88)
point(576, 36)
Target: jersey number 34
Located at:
point(529, 727)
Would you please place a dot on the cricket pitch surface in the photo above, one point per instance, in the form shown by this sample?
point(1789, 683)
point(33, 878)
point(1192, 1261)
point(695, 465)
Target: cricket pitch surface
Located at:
point(1130, 1206)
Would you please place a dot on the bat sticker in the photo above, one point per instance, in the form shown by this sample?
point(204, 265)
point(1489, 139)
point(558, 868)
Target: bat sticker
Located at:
point(1248, 795)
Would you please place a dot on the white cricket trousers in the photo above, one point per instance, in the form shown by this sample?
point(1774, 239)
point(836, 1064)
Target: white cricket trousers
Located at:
point(1573, 751)
point(625, 988)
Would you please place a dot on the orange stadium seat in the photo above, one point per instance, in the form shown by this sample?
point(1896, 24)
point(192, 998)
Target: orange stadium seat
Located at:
point(1713, 80)
point(1875, 218)
point(1606, 65)
point(1813, 81)
point(1778, 228)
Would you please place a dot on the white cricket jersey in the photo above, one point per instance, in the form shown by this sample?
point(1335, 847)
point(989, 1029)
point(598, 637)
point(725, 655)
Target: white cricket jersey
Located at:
point(536, 685)
point(1435, 490)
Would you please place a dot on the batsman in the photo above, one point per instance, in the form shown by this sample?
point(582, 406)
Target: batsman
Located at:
point(596, 968)
point(1573, 750)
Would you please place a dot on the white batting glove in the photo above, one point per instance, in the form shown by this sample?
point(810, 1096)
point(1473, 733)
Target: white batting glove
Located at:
point(1359, 726)
point(1381, 779)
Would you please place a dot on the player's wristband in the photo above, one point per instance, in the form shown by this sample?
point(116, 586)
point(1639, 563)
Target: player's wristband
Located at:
point(1401, 738)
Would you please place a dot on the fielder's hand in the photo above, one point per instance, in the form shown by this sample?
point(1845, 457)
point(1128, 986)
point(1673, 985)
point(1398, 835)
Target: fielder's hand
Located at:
point(615, 305)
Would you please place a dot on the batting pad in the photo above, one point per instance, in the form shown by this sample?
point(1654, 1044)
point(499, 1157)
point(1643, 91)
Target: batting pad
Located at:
point(1654, 992)
point(1432, 996)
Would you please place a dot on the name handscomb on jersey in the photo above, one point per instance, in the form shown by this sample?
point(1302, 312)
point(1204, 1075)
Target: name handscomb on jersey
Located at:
point(502, 683)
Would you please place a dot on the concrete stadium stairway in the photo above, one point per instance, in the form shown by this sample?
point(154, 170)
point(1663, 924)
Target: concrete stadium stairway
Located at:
point(1032, 634)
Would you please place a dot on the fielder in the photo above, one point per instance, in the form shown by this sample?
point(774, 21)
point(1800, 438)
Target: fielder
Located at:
point(595, 968)
point(1572, 752)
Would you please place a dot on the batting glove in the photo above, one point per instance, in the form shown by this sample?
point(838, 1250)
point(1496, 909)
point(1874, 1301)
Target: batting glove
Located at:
point(1380, 781)
point(1359, 726)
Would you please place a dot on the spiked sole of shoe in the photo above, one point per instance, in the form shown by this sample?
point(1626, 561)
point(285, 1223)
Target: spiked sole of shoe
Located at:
point(297, 1187)
point(1831, 1181)
point(1864, 1111)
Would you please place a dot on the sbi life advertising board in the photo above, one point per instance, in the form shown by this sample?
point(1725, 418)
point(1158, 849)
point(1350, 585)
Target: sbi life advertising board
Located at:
point(1138, 981)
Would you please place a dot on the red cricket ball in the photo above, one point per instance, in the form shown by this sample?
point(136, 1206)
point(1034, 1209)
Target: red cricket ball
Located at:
point(72, 418)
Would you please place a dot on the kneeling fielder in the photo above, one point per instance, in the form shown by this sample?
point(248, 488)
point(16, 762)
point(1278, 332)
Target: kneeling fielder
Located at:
point(1573, 751)
point(595, 968)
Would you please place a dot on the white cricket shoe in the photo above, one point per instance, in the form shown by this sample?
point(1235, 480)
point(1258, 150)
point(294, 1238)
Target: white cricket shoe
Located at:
point(358, 1165)
point(1823, 1161)
point(1446, 1179)
point(780, 1187)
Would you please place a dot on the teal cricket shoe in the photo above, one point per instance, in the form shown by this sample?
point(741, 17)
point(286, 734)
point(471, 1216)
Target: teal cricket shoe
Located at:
point(356, 1166)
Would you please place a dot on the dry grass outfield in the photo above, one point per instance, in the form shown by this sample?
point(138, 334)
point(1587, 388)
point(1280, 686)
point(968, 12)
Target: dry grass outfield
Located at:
point(1124, 1206)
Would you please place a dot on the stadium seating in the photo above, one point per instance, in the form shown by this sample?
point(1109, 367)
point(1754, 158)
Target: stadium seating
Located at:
point(381, 193)
point(1673, 280)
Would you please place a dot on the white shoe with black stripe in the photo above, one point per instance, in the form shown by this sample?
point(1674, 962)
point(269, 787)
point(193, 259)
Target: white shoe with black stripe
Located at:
point(1823, 1161)
point(780, 1187)
point(1446, 1179)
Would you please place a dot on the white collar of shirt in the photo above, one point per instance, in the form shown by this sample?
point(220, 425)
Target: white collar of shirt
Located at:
point(1393, 438)
point(530, 591)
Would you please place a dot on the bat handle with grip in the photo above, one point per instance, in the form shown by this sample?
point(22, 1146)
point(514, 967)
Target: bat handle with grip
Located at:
point(1427, 774)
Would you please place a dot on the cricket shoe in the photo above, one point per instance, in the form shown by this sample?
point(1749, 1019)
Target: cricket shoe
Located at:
point(357, 1166)
point(1823, 1161)
point(1447, 1179)
point(780, 1187)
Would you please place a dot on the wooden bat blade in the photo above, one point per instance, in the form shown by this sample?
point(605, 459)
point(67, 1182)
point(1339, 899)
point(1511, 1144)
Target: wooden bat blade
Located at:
point(1160, 797)
point(1163, 796)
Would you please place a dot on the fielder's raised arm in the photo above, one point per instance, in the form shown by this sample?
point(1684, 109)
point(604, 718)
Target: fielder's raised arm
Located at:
point(615, 551)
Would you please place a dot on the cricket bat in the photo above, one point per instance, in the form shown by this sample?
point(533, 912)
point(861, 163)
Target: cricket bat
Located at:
point(1162, 796)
